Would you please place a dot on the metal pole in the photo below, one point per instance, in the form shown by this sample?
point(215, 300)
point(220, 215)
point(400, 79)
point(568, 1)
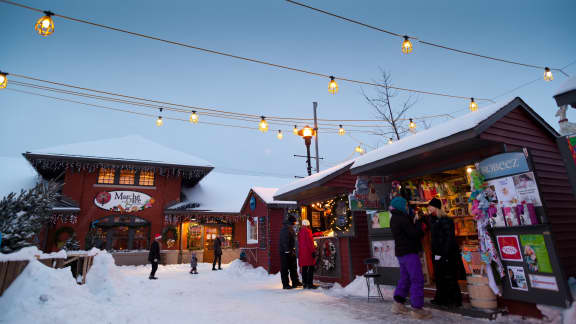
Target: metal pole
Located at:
point(315, 105)
point(309, 168)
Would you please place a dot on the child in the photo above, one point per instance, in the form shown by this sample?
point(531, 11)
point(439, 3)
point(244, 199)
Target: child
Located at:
point(193, 263)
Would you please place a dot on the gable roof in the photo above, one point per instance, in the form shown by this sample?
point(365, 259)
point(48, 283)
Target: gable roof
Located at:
point(267, 196)
point(462, 128)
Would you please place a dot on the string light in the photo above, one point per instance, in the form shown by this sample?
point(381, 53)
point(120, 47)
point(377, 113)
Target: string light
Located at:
point(332, 86)
point(263, 125)
point(406, 45)
point(548, 74)
point(45, 25)
point(473, 105)
point(412, 124)
point(390, 140)
point(280, 135)
point(194, 117)
point(359, 149)
point(469, 170)
point(341, 131)
point(3, 80)
point(295, 130)
point(159, 121)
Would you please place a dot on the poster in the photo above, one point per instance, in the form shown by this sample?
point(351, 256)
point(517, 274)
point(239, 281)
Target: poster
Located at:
point(543, 282)
point(517, 278)
point(526, 188)
point(535, 253)
point(502, 190)
point(379, 219)
point(384, 252)
point(369, 193)
point(316, 219)
point(509, 248)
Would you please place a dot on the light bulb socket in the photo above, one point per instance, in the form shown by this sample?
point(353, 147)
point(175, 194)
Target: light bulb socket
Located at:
point(332, 78)
point(161, 109)
point(48, 13)
point(547, 69)
point(471, 99)
point(406, 37)
point(194, 112)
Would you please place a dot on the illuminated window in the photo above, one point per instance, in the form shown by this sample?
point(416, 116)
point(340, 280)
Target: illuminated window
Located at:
point(106, 176)
point(146, 178)
point(252, 230)
point(127, 177)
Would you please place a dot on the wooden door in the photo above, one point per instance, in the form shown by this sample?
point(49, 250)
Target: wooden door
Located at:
point(210, 233)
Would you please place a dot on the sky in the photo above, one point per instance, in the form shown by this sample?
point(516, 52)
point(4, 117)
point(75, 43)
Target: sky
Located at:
point(533, 32)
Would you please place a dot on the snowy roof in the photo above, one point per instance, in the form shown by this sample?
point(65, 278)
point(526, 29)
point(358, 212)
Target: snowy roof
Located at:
point(132, 148)
point(223, 192)
point(267, 194)
point(16, 174)
point(317, 178)
point(568, 85)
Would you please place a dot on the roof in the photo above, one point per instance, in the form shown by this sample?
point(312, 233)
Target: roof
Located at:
point(16, 174)
point(222, 192)
point(465, 127)
point(267, 195)
point(314, 180)
point(566, 86)
point(566, 94)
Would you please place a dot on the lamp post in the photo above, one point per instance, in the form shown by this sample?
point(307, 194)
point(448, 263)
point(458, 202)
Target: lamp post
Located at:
point(307, 132)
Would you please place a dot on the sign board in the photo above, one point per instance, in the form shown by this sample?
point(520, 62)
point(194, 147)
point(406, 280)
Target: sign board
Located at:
point(123, 201)
point(370, 193)
point(503, 164)
point(509, 248)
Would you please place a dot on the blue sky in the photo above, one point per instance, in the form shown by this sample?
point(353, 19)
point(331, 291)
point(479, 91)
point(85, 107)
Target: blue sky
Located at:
point(535, 32)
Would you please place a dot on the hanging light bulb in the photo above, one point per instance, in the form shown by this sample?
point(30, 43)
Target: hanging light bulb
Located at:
point(359, 149)
point(45, 25)
point(194, 117)
point(341, 131)
point(390, 140)
point(295, 130)
point(548, 74)
point(473, 105)
point(412, 124)
point(280, 135)
point(332, 86)
point(263, 125)
point(159, 121)
point(406, 45)
point(3, 80)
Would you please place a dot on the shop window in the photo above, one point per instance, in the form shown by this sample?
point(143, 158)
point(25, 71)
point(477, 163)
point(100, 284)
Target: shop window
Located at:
point(119, 232)
point(146, 178)
point(127, 177)
point(252, 230)
point(194, 238)
point(226, 233)
point(106, 176)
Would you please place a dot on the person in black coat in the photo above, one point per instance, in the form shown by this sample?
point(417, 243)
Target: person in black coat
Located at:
point(288, 254)
point(448, 266)
point(217, 254)
point(154, 256)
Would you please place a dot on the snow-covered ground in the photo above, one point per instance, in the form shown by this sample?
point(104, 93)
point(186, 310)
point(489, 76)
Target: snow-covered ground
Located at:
point(238, 294)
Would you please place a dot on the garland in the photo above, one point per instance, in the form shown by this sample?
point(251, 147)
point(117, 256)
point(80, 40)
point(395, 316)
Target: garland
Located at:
point(342, 220)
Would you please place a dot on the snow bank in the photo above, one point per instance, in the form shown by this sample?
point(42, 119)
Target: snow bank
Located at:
point(103, 279)
point(27, 253)
point(358, 288)
point(242, 269)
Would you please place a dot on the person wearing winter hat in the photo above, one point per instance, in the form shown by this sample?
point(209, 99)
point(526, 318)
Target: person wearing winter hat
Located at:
point(154, 256)
point(306, 255)
point(407, 234)
point(448, 266)
point(287, 246)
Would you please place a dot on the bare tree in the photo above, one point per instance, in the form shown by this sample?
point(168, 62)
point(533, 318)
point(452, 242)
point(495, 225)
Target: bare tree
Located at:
point(388, 109)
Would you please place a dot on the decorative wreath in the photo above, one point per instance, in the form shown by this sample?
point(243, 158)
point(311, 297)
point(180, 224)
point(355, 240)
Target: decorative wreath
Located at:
point(342, 220)
point(169, 229)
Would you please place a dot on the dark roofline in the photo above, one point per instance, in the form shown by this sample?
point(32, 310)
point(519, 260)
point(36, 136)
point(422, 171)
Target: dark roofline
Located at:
point(275, 204)
point(566, 98)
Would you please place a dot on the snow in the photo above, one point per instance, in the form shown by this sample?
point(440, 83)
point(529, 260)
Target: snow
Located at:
point(225, 193)
point(129, 148)
point(317, 177)
point(16, 174)
point(451, 127)
point(33, 253)
point(267, 194)
point(568, 85)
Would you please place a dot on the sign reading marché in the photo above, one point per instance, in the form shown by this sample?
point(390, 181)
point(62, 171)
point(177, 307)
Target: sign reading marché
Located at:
point(123, 201)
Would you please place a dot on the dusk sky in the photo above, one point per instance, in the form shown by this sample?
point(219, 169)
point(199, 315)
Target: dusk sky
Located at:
point(532, 32)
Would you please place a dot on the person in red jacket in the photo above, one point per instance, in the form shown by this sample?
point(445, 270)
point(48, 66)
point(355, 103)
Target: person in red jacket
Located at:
point(306, 255)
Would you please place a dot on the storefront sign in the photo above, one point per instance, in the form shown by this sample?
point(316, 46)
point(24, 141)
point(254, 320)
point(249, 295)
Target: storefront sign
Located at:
point(123, 201)
point(543, 282)
point(536, 253)
point(509, 248)
point(503, 164)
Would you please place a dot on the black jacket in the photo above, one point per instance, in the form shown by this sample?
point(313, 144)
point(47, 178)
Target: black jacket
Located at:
point(287, 239)
point(406, 233)
point(444, 238)
point(154, 252)
point(217, 246)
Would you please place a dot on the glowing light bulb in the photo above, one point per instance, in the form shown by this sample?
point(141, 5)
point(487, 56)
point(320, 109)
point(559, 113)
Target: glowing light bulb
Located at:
point(307, 132)
point(412, 124)
point(3, 80)
point(45, 25)
point(341, 131)
point(280, 135)
point(359, 149)
point(194, 117)
point(332, 86)
point(159, 121)
point(548, 74)
point(469, 170)
point(263, 125)
point(295, 130)
point(390, 140)
point(473, 105)
point(406, 45)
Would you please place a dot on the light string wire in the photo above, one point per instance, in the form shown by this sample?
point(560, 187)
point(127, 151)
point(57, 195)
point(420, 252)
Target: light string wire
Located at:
point(285, 67)
point(422, 41)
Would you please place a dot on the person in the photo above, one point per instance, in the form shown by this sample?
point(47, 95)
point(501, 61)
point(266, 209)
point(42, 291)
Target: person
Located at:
point(288, 254)
point(407, 233)
point(193, 263)
point(306, 255)
point(154, 256)
point(217, 254)
point(447, 260)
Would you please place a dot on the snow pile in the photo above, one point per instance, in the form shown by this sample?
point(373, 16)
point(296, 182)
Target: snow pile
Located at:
point(358, 288)
point(103, 279)
point(242, 269)
point(27, 253)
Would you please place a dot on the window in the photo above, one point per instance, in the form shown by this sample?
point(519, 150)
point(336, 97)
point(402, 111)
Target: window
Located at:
point(127, 177)
point(146, 178)
point(106, 176)
point(252, 230)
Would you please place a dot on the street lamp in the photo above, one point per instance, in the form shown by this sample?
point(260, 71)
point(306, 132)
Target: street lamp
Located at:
point(307, 133)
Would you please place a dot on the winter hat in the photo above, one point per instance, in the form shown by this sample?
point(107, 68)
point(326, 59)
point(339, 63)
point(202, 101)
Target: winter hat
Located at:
point(305, 222)
point(435, 202)
point(157, 236)
point(399, 203)
point(291, 219)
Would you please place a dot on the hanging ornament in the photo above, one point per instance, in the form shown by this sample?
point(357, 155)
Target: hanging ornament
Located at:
point(3, 80)
point(548, 74)
point(406, 45)
point(473, 105)
point(332, 86)
point(45, 25)
point(280, 135)
point(263, 125)
point(194, 117)
point(341, 131)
